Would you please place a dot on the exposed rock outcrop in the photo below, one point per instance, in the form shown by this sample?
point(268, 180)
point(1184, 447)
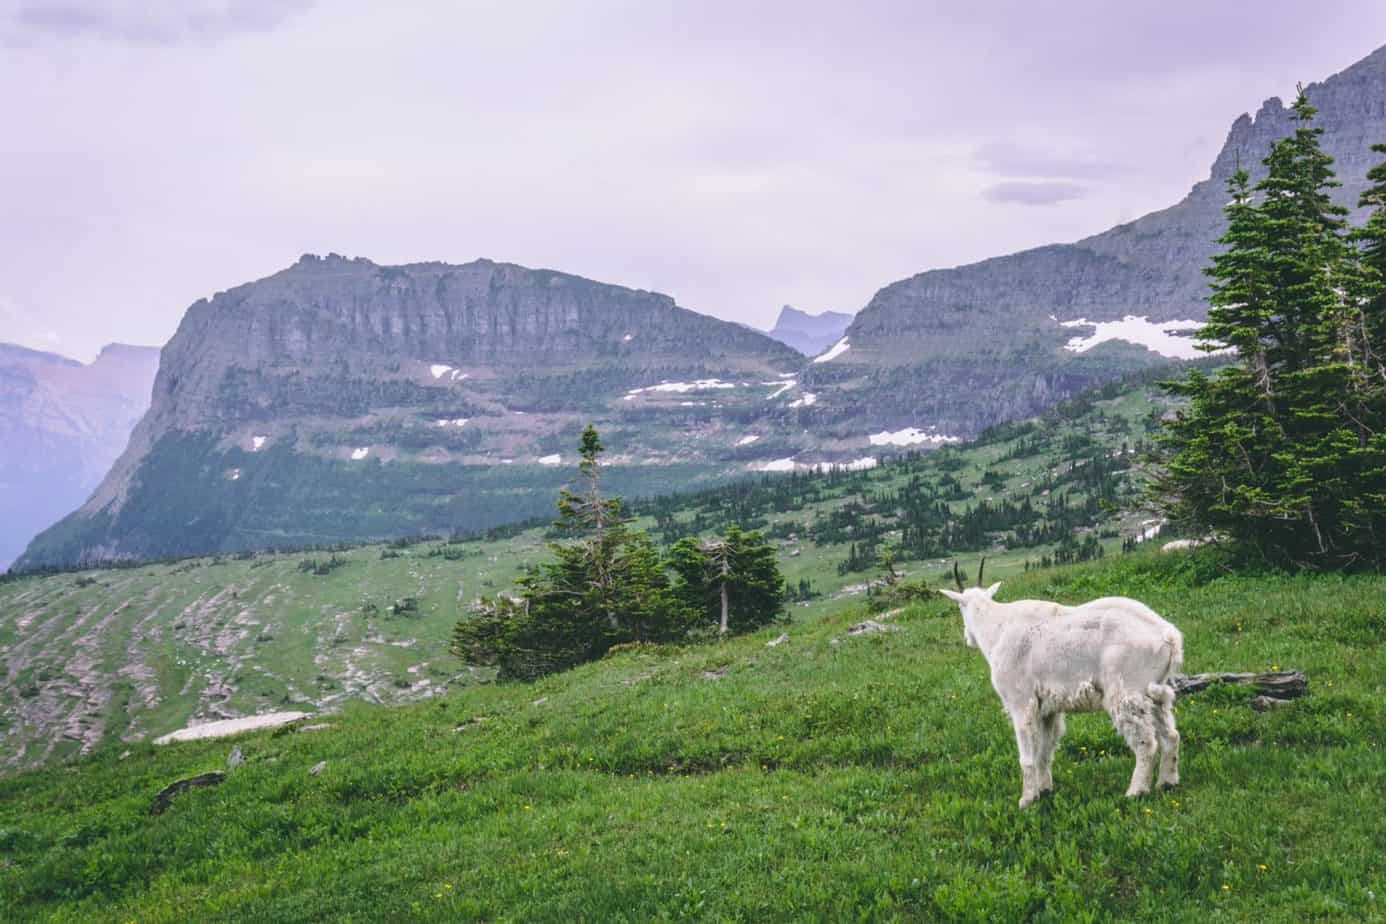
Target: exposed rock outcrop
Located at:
point(966, 347)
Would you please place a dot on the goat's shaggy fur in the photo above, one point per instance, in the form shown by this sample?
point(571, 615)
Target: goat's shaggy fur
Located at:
point(1113, 654)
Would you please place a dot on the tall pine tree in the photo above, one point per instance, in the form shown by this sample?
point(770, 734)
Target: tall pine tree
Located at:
point(1278, 452)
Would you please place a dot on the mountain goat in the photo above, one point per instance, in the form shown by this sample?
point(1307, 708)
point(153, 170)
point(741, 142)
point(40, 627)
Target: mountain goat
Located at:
point(1113, 654)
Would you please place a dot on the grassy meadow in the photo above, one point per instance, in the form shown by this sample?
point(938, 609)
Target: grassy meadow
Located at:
point(830, 777)
point(111, 656)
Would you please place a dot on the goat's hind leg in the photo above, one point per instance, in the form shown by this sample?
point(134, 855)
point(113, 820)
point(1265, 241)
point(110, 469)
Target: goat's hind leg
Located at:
point(1166, 733)
point(1028, 740)
point(1051, 730)
point(1132, 717)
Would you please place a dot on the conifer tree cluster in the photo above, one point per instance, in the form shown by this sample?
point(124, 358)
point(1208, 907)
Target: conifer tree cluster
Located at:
point(1285, 450)
point(610, 585)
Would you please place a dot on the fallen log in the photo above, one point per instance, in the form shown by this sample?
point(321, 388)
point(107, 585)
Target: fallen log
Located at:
point(166, 795)
point(1282, 685)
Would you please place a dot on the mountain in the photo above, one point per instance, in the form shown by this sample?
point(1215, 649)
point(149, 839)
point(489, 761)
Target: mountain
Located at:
point(959, 349)
point(810, 334)
point(342, 400)
point(62, 424)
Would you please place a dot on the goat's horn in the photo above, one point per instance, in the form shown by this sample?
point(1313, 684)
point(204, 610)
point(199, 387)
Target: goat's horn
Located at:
point(957, 576)
point(980, 566)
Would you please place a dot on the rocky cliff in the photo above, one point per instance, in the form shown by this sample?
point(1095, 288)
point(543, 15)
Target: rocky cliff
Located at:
point(62, 424)
point(962, 348)
point(340, 400)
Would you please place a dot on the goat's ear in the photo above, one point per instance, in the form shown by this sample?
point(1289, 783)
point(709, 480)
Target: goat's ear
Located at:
point(991, 591)
point(951, 594)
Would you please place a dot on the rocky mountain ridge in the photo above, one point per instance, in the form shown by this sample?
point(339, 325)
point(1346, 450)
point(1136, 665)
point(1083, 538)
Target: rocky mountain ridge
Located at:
point(339, 399)
point(961, 348)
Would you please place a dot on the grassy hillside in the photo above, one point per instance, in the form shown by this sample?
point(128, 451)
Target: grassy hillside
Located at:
point(830, 777)
point(103, 656)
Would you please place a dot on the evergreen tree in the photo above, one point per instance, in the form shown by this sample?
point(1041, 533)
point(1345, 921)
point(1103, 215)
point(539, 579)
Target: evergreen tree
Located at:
point(605, 587)
point(1273, 451)
point(733, 582)
point(1366, 323)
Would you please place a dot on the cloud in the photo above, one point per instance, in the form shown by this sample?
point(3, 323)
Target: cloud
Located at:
point(160, 22)
point(1005, 159)
point(16, 328)
point(1034, 193)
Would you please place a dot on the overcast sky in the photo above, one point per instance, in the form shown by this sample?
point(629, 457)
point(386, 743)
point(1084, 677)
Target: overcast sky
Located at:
point(737, 156)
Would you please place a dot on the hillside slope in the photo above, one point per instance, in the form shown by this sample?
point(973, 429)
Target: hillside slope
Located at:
point(962, 348)
point(829, 777)
point(62, 424)
point(95, 657)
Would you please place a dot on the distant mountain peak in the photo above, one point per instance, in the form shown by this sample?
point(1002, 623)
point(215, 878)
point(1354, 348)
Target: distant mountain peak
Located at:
point(808, 333)
point(793, 317)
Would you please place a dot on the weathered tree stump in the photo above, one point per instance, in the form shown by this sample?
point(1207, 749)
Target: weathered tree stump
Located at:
point(167, 794)
point(1275, 685)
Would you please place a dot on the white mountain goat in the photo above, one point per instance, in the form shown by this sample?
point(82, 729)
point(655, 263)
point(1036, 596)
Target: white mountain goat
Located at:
point(1046, 659)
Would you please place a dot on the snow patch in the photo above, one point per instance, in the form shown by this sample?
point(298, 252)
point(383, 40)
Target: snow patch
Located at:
point(681, 387)
point(788, 464)
point(627, 338)
point(1168, 338)
point(554, 459)
point(235, 474)
point(257, 443)
point(911, 436)
point(439, 370)
point(856, 465)
point(834, 351)
point(361, 453)
point(784, 387)
point(747, 440)
point(808, 400)
point(458, 375)
point(231, 726)
point(455, 422)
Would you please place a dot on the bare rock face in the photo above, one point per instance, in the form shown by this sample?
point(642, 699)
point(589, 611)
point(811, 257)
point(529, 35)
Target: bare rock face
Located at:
point(963, 348)
point(343, 400)
point(62, 424)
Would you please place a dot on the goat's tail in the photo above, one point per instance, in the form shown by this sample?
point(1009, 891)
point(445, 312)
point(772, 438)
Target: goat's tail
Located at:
point(1161, 692)
point(1175, 642)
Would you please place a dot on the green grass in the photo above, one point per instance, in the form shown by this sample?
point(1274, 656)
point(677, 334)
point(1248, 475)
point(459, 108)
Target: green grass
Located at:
point(828, 778)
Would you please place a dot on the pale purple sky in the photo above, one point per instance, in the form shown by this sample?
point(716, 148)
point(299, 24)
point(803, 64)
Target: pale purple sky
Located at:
point(735, 155)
